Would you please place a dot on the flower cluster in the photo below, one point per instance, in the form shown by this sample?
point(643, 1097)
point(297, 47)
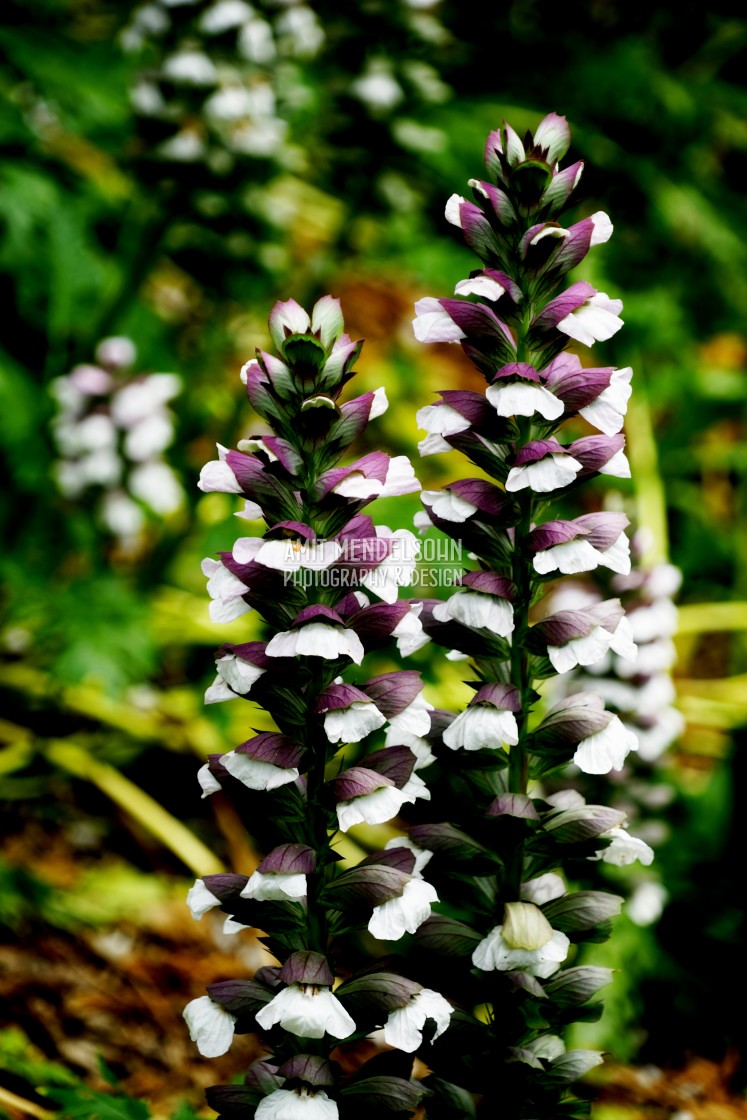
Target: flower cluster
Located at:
point(311, 577)
point(210, 96)
point(111, 429)
point(642, 695)
point(545, 425)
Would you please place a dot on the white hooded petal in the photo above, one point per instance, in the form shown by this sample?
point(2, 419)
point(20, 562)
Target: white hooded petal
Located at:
point(521, 399)
point(570, 558)
point(551, 473)
point(250, 512)
point(580, 651)
point(210, 1026)
point(231, 927)
point(617, 556)
point(441, 420)
point(622, 642)
point(266, 886)
point(350, 725)
point(317, 639)
point(414, 720)
point(451, 210)
point(625, 849)
point(605, 750)
point(448, 506)
point(404, 1027)
point(237, 673)
point(256, 774)
point(415, 788)
point(544, 888)
point(208, 782)
point(617, 467)
point(379, 404)
point(296, 1104)
point(478, 611)
point(400, 478)
point(218, 691)
point(602, 228)
point(493, 953)
point(409, 632)
point(289, 556)
point(405, 914)
point(308, 1012)
point(371, 808)
point(481, 725)
point(227, 610)
point(656, 620)
point(357, 486)
point(200, 900)
point(608, 410)
point(216, 476)
point(483, 286)
point(245, 549)
point(423, 856)
point(433, 324)
point(595, 321)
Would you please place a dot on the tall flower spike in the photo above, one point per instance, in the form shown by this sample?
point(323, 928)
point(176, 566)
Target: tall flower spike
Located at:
point(497, 859)
point(303, 578)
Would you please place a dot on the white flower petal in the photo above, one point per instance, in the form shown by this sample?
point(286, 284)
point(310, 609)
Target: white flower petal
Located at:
point(483, 286)
point(625, 849)
point(256, 774)
point(308, 1012)
point(570, 558)
point(551, 473)
point(371, 808)
point(433, 324)
point(350, 725)
point(518, 398)
point(451, 210)
point(200, 900)
point(208, 782)
point(481, 726)
point(405, 914)
point(404, 1027)
point(266, 886)
point(296, 1104)
point(493, 953)
point(605, 750)
point(210, 1026)
point(448, 506)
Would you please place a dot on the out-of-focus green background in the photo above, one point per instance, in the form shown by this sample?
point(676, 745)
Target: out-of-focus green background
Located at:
point(135, 201)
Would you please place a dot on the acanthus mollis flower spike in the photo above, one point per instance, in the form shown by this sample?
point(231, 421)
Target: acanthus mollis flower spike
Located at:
point(316, 540)
point(514, 320)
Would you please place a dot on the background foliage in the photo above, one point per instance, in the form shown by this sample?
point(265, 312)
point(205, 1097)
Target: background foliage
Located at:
point(106, 650)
